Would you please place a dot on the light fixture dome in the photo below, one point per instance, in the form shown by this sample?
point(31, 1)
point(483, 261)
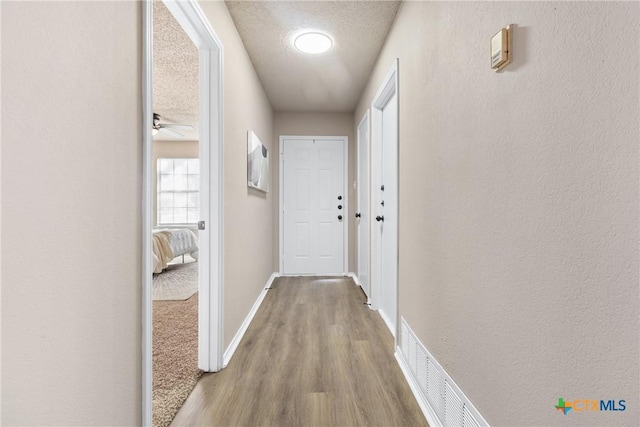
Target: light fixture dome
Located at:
point(313, 42)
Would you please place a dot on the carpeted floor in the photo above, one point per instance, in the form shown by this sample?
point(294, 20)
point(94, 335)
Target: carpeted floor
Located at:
point(175, 356)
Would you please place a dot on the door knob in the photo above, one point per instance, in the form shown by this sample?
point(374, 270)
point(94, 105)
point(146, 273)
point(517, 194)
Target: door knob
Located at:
point(358, 215)
point(339, 197)
point(339, 206)
point(340, 217)
point(380, 218)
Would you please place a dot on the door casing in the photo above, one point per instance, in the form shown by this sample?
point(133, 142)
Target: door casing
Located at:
point(388, 89)
point(363, 223)
point(191, 18)
point(345, 142)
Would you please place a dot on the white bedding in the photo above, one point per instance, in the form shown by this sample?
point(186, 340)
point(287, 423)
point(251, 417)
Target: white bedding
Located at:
point(171, 243)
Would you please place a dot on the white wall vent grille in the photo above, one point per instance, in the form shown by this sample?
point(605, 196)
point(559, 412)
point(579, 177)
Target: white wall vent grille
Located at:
point(452, 407)
point(434, 388)
point(421, 371)
point(404, 340)
point(468, 420)
point(441, 400)
point(412, 358)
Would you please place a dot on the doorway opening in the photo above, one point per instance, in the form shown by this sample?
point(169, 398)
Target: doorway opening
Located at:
point(175, 181)
point(208, 180)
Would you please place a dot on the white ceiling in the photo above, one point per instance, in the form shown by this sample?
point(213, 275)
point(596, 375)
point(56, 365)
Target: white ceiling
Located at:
point(294, 81)
point(329, 82)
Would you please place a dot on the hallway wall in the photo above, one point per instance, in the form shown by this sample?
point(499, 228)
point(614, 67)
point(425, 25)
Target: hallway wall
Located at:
point(248, 213)
point(314, 124)
point(71, 213)
point(519, 202)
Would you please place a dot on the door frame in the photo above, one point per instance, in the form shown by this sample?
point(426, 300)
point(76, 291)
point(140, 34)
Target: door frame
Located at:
point(191, 18)
point(364, 121)
point(345, 144)
point(388, 88)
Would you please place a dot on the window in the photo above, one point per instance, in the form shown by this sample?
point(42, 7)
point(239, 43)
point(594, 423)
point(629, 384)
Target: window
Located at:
point(178, 191)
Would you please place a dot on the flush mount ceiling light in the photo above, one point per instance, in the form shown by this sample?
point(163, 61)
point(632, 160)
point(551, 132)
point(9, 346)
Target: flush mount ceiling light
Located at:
point(313, 42)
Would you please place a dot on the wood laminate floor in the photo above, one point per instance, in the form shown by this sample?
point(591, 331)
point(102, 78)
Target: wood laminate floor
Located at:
point(314, 355)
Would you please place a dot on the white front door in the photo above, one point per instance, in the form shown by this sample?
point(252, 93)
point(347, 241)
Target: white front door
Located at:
point(314, 210)
point(363, 214)
point(384, 197)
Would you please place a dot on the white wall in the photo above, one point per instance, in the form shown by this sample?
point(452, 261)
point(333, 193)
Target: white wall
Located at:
point(248, 213)
point(71, 213)
point(315, 124)
point(519, 202)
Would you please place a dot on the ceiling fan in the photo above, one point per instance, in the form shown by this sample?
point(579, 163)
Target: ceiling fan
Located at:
point(169, 128)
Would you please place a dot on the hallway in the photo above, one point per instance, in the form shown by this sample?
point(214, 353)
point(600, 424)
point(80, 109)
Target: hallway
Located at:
point(313, 355)
point(518, 201)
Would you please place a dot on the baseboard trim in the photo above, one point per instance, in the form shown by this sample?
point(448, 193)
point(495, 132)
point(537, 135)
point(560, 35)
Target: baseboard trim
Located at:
point(354, 276)
point(247, 321)
point(388, 323)
point(313, 274)
point(427, 410)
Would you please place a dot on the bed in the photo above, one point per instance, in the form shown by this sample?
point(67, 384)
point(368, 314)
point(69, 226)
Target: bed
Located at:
point(170, 243)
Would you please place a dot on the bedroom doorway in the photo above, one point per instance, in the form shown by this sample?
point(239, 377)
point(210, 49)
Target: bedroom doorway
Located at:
point(182, 217)
point(176, 203)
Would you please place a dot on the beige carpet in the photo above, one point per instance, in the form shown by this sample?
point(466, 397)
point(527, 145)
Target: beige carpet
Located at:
point(177, 282)
point(175, 356)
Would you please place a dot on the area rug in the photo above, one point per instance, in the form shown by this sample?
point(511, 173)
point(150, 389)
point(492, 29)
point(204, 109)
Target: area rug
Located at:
point(177, 282)
point(175, 356)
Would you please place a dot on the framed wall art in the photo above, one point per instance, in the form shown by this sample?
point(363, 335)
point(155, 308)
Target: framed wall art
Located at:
point(257, 163)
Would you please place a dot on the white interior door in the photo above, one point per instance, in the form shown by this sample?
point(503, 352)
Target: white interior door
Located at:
point(363, 216)
point(314, 206)
point(384, 195)
point(389, 211)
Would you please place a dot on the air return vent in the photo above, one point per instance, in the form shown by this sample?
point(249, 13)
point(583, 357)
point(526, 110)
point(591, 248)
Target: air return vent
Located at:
point(441, 400)
point(468, 420)
point(434, 388)
point(412, 358)
point(422, 370)
point(452, 406)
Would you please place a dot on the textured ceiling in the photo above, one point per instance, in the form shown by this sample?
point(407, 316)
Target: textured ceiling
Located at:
point(329, 82)
point(175, 74)
point(294, 81)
